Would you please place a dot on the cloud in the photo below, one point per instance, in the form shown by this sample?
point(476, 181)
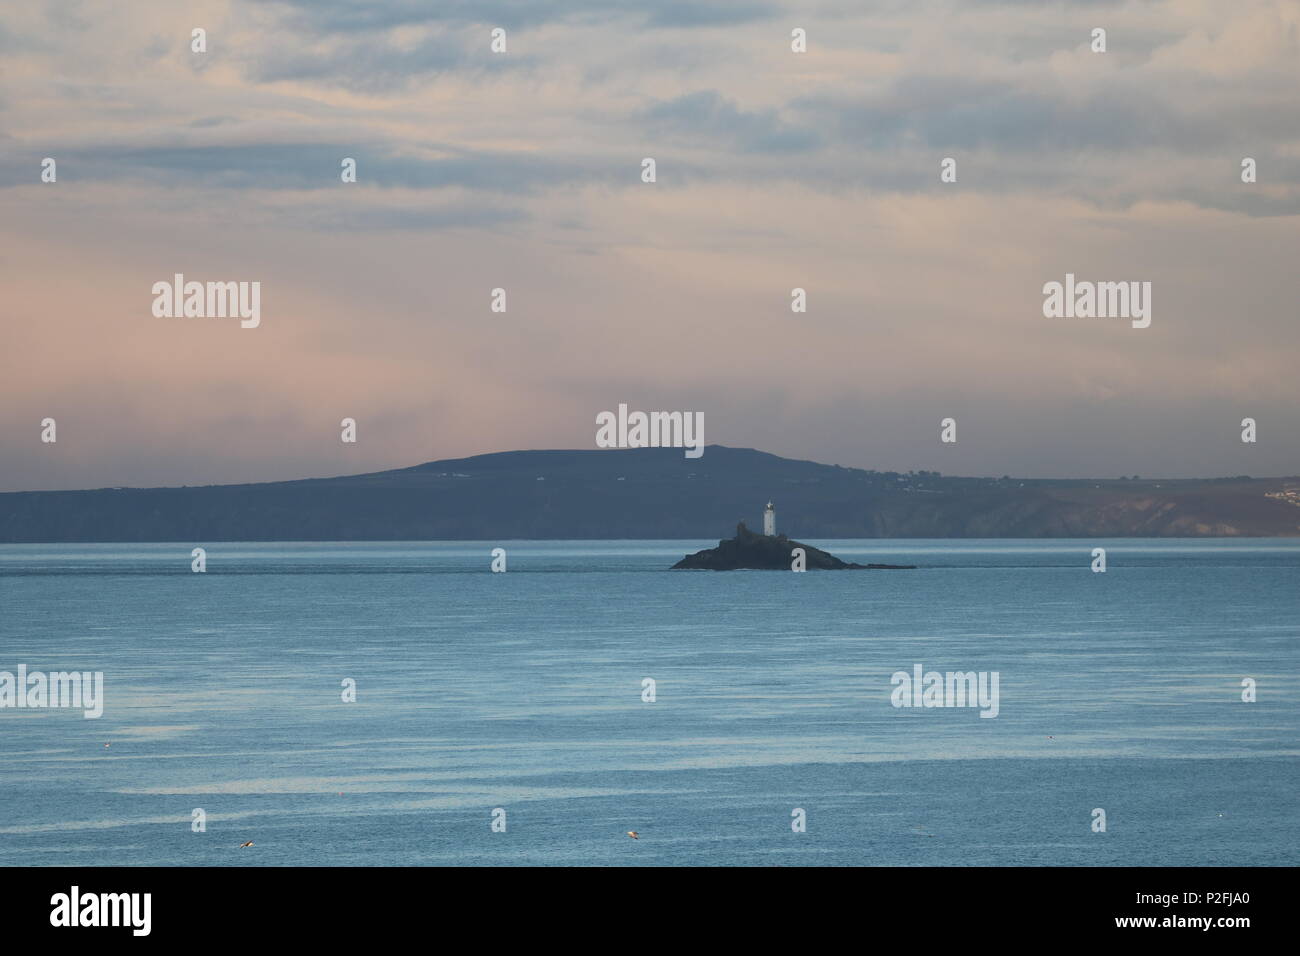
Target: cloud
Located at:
point(313, 165)
point(709, 116)
point(522, 171)
point(344, 16)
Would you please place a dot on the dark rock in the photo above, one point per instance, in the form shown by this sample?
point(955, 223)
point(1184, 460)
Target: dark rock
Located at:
point(758, 552)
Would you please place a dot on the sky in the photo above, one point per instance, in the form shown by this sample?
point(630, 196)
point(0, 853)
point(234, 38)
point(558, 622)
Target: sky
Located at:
point(522, 170)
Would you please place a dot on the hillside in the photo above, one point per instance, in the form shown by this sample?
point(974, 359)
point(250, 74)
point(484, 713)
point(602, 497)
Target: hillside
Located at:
point(651, 493)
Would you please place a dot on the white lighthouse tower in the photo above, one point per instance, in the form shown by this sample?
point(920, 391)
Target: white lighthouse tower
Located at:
point(769, 521)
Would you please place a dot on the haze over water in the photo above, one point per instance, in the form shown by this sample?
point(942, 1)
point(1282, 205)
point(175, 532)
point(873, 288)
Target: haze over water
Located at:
point(523, 691)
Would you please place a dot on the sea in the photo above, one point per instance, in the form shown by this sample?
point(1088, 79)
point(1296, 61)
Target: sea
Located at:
point(401, 704)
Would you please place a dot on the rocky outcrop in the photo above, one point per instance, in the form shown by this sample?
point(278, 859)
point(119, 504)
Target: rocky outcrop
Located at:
point(757, 552)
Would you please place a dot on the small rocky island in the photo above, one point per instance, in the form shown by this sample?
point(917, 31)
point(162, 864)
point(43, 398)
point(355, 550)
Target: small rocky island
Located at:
point(769, 552)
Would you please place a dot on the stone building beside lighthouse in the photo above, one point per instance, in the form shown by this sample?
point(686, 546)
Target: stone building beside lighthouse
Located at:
point(769, 521)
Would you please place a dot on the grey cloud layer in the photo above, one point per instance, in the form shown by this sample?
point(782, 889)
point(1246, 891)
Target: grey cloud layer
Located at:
point(775, 170)
point(344, 16)
point(1012, 122)
point(728, 141)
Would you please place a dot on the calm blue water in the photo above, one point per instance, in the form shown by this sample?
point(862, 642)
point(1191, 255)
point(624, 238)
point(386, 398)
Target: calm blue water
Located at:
point(523, 691)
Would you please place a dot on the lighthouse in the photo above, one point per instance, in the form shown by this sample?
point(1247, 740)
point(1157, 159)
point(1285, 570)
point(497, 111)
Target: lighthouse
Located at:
point(769, 520)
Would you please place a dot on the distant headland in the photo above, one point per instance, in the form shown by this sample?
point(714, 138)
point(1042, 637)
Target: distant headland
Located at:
point(653, 493)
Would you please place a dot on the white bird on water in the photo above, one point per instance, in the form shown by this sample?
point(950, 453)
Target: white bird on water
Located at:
point(632, 834)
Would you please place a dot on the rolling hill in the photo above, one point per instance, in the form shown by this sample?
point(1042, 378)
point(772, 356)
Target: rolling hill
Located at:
point(652, 493)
